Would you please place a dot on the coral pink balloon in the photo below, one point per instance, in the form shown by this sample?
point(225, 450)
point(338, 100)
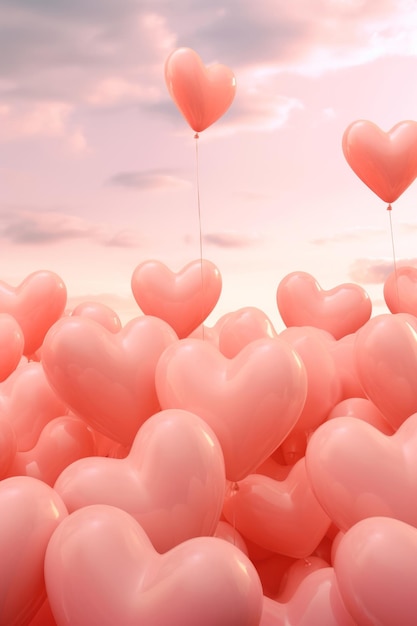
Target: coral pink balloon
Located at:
point(386, 363)
point(343, 353)
point(30, 512)
point(242, 327)
point(36, 304)
point(12, 344)
point(172, 482)
point(363, 409)
point(62, 441)
point(296, 573)
point(281, 516)
point(228, 532)
point(385, 161)
point(101, 313)
point(400, 290)
point(341, 310)
point(107, 378)
point(376, 568)
point(8, 446)
point(357, 472)
point(101, 570)
point(182, 299)
point(202, 94)
point(251, 402)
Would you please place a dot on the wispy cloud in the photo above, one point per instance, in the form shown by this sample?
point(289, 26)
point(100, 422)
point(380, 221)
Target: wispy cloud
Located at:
point(349, 236)
point(148, 180)
point(376, 271)
point(231, 239)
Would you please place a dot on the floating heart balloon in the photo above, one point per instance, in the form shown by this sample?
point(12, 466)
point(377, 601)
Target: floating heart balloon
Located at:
point(182, 299)
point(30, 512)
point(172, 482)
point(242, 327)
point(12, 343)
point(357, 472)
point(36, 304)
point(400, 290)
point(202, 94)
point(251, 402)
point(8, 446)
point(281, 516)
point(376, 569)
point(341, 310)
point(385, 162)
point(101, 313)
point(101, 570)
point(343, 353)
point(104, 377)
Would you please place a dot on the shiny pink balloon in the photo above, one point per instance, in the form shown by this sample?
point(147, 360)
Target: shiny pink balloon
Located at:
point(400, 290)
point(357, 472)
point(101, 570)
point(376, 569)
point(100, 313)
point(172, 481)
point(241, 328)
point(251, 402)
point(30, 512)
point(296, 573)
point(182, 299)
point(228, 532)
point(107, 378)
point(386, 362)
point(281, 516)
point(12, 344)
point(385, 161)
point(341, 310)
point(363, 409)
point(8, 446)
point(343, 353)
point(36, 304)
point(202, 94)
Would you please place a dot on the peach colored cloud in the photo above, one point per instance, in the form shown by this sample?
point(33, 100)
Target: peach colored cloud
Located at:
point(375, 271)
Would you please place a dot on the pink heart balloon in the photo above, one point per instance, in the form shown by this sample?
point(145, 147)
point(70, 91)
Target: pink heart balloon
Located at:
point(182, 299)
point(362, 409)
point(343, 353)
point(202, 94)
point(281, 516)
point(100, 313)
point(107, 378)
point(35, 304)
point(296, 574)
point(101, 570)
point(386, 363)
point(376, 569)
point(30, 512)
point(385, 162)
point(8, 447)
point(251, 402)
point(243, 327)
point(400, 290)
point(12, 344)
point(172, 482)
point(357, 472)
point(341, 310)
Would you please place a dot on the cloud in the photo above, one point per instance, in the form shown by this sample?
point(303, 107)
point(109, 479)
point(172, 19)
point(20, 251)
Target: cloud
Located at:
point(231, 239)
point(148, 180)
point(376, 271)
point(349, 236)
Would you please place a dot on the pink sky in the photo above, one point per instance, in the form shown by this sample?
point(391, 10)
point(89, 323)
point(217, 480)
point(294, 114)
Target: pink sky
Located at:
point(97, 166)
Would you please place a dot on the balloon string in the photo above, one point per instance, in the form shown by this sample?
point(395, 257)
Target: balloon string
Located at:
point(196, 137)
point(389, 209)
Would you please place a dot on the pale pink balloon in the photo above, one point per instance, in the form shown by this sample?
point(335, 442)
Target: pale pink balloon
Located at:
point(28, 402)
point(400, 290)
point(251, 402)
point(100, 313)
point(376, 568)
point(340, 311)
point(241, 328)
point(357, 472)
point(36, 304)
point(202, 94)
point(62, 441)
point(101, 570)
point(386, 362)
point(172, 481)
point(30, 512)
point(282, 516)
point(385, 161)
point(316, 601)
point(107, 378)
point(183, 299)
point(363, 409)
point(12, 343)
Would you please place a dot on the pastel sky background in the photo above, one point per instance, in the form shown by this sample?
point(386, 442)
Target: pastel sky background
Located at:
point(98, 168)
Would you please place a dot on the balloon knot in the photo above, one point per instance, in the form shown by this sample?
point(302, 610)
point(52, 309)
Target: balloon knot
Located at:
point(389, 207)
point(196, 136)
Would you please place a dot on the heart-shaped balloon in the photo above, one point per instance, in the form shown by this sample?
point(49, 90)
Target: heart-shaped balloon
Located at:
point(400, 290)
point(357, 472)
point(8, 447)
point(376, 570)
point(341, 310)
point(242, 327)
point(281, 516)
point(101, 313)
point(12, 343)
point(385, 161)
point(202, 94)
point(36, 304)
point(172, 482)
point(251, 402)
point(101, 570)
point(362, 409)
point(183, 299)
point(104, 377)
point(30, 512)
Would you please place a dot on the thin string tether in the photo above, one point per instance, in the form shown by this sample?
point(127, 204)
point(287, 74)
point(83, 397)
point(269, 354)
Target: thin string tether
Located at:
point(389, 209)
point(196, 137)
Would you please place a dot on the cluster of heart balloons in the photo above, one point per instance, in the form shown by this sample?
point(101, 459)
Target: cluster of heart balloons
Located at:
point(153, 473)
